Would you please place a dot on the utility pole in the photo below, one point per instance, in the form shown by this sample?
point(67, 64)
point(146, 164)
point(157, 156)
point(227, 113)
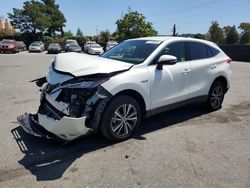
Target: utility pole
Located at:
point(174, 31)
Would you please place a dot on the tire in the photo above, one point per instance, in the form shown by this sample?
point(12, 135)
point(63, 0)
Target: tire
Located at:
point(216, 96)
point(117, 124)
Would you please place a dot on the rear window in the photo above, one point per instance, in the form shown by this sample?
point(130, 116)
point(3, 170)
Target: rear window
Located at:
point(198, 51)
point(214, 51)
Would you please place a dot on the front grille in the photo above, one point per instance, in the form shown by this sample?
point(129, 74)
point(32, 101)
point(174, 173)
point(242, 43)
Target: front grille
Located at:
point(4, 47)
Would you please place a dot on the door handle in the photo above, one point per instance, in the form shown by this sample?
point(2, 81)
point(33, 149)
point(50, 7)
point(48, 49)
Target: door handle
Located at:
point(186, 71)
point(213, 66)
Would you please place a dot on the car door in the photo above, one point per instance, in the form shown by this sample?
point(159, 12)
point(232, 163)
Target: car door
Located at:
point(170, 85)
point(203, 66)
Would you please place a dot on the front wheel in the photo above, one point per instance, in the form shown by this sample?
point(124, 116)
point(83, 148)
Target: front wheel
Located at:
point(120, 118)
point(216, 96)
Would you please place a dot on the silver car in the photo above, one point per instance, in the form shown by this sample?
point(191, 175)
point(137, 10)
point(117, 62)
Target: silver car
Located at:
point(36, 47)
point(95, 49)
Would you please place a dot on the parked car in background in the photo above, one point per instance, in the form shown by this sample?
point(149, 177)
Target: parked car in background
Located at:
point(36, 47)
point(95, 49)
point(41, 43)
point(54, 48)
point(87, 45)
point(74, 48)
point(8, 46)
point(137, 78)
point(67, 44)
point(111, 44)
point(21, 46)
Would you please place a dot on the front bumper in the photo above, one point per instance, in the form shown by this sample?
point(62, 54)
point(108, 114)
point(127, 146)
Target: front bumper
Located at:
point(95, 52)
point(56, 51)
point(9, 50)
point(35, 50)
point(65, 129)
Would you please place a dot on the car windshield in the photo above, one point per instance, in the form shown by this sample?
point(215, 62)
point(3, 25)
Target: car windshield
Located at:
point(35, 44)
point(71, 42)
point(132, 51)
point(95, 46)
point(54, 45)
point(7, 42)
point(74, 46)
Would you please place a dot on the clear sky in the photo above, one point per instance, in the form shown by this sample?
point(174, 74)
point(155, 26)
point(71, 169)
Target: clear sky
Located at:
point(189, 16)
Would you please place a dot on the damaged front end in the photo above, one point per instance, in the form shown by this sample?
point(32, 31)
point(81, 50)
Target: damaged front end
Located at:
point(69, 108)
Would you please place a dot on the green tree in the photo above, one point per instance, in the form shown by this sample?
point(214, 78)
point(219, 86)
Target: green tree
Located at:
point(199, 36)
point(232, 36)
point(81, 40)
point(245, 38)
point(245, 27)
point(68, 34)
point(227, 29)
point(245, 35)
point(29, 18)
point(53, 19)
point(134, 25)
point(79, 32)
point(38, 16)
point(104, 36)
point(216, 33)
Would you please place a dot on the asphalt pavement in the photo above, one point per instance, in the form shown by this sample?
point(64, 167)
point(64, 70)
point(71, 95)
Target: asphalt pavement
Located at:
point(186, 147)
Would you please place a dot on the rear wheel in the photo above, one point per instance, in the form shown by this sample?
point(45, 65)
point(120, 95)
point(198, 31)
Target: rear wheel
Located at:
point(120, 118)
point(216, 96)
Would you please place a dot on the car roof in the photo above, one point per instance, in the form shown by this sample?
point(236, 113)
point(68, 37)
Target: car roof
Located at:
point(37, 43)
point(70, 40)
point(9, 40)
point(90, 42)
point(175, 38)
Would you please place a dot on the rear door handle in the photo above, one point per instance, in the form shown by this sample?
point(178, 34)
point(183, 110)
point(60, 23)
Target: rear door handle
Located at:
point(186, 71)
point(213, 66)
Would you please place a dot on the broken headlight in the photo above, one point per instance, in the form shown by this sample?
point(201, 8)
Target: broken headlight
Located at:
point(76, 84)
point(77, 94)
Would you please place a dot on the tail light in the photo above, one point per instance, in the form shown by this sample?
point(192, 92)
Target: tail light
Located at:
point(229, 61)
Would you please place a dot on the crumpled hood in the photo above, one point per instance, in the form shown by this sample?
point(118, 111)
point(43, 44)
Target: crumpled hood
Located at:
point(82, 64)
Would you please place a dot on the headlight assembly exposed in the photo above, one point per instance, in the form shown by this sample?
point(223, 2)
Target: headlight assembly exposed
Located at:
point(82, 85)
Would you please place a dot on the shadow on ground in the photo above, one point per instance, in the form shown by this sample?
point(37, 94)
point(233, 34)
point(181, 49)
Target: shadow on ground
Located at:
point(48, 161)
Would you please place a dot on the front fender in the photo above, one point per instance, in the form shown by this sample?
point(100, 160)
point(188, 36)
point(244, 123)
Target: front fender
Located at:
point(136, 79)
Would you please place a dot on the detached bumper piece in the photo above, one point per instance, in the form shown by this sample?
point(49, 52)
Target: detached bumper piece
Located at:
point(63, 130)
point(32, 127)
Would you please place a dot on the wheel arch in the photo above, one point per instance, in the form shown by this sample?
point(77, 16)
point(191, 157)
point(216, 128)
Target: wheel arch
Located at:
point(137, 96)
point(222, 79)
point(128, 92)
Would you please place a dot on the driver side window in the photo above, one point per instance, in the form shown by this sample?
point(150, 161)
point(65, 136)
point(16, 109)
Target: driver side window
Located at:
point(176, 49)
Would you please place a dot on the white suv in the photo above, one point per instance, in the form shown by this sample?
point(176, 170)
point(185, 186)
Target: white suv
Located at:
point(135, 79)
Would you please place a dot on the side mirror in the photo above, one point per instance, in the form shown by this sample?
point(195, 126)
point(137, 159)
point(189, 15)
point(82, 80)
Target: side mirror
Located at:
point(166, 60)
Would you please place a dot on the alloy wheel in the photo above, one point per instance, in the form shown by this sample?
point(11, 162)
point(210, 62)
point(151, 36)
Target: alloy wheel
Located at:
point(124, 120)
point(217, 96)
